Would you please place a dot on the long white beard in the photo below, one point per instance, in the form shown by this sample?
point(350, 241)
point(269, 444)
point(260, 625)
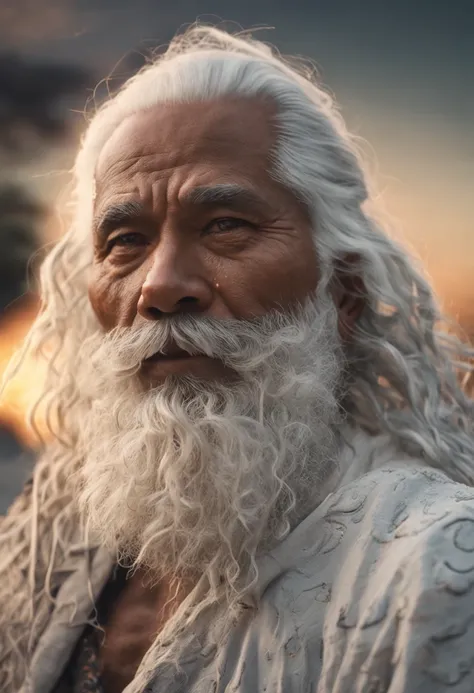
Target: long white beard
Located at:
point(199, 476)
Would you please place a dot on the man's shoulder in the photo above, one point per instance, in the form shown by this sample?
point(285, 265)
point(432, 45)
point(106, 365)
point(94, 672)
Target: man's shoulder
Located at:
point(375, 523)
point(398, 517)
point(401, 588)
point(402, 497)
point(40, 546)
point(403, 601)
point(376, 586)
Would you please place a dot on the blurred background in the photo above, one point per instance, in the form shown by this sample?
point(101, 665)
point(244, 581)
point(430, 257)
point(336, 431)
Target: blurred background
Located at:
point(401, 71)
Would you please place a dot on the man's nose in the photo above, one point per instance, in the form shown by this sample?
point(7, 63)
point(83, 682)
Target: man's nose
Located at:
point(174, 284)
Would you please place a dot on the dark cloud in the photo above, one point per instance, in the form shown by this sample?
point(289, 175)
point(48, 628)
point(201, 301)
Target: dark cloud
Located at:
point(31, 95)
point(391, 30)
point(413, 55)
point(20, 214)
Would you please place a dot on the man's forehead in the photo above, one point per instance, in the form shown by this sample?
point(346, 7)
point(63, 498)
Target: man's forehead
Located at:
point(237, 128)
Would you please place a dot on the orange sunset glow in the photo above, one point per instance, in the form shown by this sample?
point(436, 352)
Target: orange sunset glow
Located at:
point(25, 387)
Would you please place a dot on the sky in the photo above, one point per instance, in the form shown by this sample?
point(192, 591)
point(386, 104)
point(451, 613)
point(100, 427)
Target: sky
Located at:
point(402, 73)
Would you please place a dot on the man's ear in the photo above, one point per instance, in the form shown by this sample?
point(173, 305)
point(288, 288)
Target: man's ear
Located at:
point(349, 294)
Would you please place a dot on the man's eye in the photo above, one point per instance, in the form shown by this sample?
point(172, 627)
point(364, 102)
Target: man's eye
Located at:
point(227, 224)
point(130, 239)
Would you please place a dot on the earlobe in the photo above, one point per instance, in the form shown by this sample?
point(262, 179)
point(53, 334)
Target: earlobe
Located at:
point(350, 310)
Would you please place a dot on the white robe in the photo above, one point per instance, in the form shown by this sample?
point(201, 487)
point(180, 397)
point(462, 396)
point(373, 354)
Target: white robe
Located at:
point(371, 593)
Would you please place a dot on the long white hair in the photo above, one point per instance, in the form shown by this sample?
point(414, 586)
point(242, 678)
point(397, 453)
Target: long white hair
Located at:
point(403, 368)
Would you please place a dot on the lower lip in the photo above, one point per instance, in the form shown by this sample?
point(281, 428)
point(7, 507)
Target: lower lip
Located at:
point(156, 368)
point(155, 362)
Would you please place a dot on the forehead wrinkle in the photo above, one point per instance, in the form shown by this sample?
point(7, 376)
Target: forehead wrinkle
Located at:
point(118, 162)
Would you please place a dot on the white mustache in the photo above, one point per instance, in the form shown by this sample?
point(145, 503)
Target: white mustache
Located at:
point(230, 340)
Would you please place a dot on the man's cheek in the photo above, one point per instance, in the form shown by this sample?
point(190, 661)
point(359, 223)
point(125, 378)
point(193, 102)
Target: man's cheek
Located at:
point(106, 301)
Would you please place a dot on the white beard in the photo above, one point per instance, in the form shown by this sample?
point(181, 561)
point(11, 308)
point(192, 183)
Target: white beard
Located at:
point(199, 476)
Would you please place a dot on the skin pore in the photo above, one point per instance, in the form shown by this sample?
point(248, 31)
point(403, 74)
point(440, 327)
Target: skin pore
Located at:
point(188, 219)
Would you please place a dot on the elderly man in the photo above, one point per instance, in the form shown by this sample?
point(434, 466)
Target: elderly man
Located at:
point(260, 466)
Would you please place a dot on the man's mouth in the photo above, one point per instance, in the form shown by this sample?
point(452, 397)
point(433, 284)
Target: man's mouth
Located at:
point(172, 359)
point(170, 352)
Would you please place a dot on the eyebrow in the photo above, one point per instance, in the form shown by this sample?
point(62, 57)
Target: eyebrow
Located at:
point(229, 195)
point(118, 215)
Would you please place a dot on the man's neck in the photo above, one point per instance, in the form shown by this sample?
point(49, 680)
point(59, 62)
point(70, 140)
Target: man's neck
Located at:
point(139, 612)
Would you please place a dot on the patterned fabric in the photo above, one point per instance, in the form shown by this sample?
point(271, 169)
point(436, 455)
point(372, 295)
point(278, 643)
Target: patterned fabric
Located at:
point(85, 669)
point(82, 674)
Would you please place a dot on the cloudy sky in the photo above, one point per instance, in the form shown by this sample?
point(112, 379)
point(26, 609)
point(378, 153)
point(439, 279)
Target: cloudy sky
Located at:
point(401, 70)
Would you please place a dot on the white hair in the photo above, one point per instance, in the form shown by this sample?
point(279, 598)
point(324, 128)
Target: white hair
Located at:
point(403, 370)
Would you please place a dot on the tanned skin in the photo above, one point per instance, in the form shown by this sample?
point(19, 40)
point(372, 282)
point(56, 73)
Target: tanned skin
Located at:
point(138, 614)
point(237, 259)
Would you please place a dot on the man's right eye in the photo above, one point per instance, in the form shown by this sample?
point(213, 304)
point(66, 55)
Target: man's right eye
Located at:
point(127, 240)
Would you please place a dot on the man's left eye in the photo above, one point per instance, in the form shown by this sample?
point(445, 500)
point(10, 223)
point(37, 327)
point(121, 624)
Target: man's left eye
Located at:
point(227, 224)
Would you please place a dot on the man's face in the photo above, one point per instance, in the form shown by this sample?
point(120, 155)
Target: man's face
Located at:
point(188, 220)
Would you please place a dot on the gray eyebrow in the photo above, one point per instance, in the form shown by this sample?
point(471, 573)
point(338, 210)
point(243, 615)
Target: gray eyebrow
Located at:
point(229, 195)
point(225, 194)
point(118, 215)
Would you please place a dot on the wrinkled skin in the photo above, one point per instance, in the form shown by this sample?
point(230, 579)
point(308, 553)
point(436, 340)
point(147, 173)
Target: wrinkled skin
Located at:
point(236, 259)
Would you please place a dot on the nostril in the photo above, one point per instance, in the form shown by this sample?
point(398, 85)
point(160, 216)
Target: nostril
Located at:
point(154, 313)
point(184, 303)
